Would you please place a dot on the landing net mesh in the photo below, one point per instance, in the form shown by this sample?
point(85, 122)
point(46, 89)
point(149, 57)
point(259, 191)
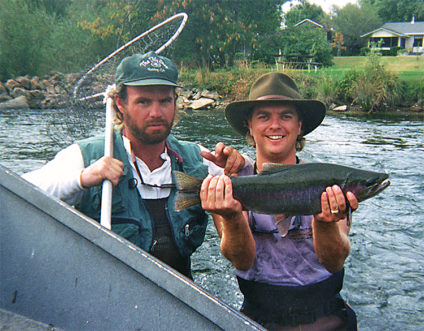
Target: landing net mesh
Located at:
point(83, 106)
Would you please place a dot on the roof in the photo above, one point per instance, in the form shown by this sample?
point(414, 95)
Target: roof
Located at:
point(400, 28)
point(310, 21)
point(319, 25)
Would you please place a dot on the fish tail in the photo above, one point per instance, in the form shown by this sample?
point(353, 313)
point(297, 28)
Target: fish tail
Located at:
point(188, 189)
point(184, 200)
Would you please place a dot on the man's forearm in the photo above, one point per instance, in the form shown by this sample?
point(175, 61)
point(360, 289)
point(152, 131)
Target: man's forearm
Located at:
point(237, 243)
point(331, 243)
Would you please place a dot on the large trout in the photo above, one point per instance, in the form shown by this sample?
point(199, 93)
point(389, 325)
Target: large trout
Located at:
point(288, 189)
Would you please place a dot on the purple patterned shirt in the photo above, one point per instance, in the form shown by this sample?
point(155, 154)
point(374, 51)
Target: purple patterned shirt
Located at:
point(288, 260)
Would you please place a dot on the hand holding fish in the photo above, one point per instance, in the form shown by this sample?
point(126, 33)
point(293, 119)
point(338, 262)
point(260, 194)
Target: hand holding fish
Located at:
point(225, 157)
point(237, 243)
point(216, 194)
point(333, 204)
point(331, 227)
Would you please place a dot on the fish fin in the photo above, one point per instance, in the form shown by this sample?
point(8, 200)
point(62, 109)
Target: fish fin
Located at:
point(269, 168)
point(283, 223)
point(184, 200)
point(186, 182)
point(188, 188)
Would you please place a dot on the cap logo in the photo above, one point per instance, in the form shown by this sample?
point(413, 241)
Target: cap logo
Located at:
point(154, 64)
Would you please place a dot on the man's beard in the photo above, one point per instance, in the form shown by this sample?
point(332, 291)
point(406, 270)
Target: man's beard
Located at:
point(148, 138)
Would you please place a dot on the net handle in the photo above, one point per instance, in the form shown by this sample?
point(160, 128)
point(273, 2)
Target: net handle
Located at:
point(106, 204)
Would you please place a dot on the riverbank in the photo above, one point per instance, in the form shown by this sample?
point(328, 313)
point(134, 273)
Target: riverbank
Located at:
point(404, 112)
point(55, 91)
point(208, 90)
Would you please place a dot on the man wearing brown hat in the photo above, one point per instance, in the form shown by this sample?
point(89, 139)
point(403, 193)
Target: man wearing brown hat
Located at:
point(290, 269)
point(145, 157)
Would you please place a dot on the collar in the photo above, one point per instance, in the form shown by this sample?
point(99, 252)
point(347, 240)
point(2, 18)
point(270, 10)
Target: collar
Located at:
point(168, 150)
point(173, 153)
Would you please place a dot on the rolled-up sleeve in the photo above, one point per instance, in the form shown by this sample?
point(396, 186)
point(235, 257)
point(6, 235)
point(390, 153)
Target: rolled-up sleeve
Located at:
point(61, 176)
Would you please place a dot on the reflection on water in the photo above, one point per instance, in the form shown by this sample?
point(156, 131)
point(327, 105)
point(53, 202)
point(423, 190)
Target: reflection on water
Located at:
point(385, 271)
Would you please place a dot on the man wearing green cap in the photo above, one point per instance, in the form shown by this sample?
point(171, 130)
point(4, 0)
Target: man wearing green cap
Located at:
point(141, 170)
point(289, 268)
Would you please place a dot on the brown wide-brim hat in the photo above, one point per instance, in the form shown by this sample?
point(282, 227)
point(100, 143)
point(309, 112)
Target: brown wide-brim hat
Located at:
point(275, 87)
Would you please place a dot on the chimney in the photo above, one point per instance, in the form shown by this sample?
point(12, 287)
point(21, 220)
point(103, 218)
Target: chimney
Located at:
point(413, 19)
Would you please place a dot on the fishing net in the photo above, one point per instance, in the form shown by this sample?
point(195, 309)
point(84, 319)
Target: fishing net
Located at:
point(83, 107)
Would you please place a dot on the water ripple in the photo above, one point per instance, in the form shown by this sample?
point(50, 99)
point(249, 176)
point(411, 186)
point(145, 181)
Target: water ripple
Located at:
point(385, 270)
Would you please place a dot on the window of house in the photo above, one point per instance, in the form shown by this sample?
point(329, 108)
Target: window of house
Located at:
point(385, 41)
point(418, 42)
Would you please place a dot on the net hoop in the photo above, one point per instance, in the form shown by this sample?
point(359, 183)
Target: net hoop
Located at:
point(181, 15)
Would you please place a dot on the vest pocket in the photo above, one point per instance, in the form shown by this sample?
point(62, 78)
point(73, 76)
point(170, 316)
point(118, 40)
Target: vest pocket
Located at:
point(194, 233)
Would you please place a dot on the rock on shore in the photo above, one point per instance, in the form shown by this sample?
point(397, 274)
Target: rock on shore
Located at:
point(34, 92)
point(54, 91)
point(197, 99)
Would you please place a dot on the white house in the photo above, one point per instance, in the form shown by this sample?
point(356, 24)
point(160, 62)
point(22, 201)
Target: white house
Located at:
point(407, 35)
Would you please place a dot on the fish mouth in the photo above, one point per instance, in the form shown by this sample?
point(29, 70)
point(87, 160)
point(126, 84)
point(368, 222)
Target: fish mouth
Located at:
point(376, 187)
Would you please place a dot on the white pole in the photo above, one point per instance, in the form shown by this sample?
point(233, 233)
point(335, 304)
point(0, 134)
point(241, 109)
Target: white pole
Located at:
point(106, 204)
point(106, 207)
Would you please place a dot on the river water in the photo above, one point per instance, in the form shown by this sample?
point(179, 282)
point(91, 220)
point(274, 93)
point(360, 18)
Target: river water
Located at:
point(385, 271)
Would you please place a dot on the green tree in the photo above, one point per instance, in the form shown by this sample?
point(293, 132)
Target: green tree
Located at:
point(303, 10)
point(218, 30)
point(121, 20)
point(24, 39)
point(99, 27)
point(49, 36)
point(307, 41)
point(353, 21)
point(55, 8)
point(72, 35)
point(397, 11)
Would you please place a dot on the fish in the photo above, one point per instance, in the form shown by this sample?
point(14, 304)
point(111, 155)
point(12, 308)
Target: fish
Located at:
point(288, 189)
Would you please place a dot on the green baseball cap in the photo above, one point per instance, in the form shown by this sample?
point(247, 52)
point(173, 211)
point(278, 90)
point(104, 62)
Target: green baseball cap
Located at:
point(146, 69)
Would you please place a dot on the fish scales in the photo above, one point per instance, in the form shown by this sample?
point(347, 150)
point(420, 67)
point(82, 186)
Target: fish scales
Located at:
point(278, 193)
point(292, 189)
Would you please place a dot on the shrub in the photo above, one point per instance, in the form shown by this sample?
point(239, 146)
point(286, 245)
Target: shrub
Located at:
point(345, 86)
point(376, 89)
point(364, 51)
point(413, 92)
point(327, 91)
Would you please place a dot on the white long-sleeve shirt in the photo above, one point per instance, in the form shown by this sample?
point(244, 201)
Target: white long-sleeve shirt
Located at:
point(61, 176)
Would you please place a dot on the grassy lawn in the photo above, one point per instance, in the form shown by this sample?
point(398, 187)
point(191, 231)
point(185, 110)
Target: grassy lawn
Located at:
point(406, 67)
